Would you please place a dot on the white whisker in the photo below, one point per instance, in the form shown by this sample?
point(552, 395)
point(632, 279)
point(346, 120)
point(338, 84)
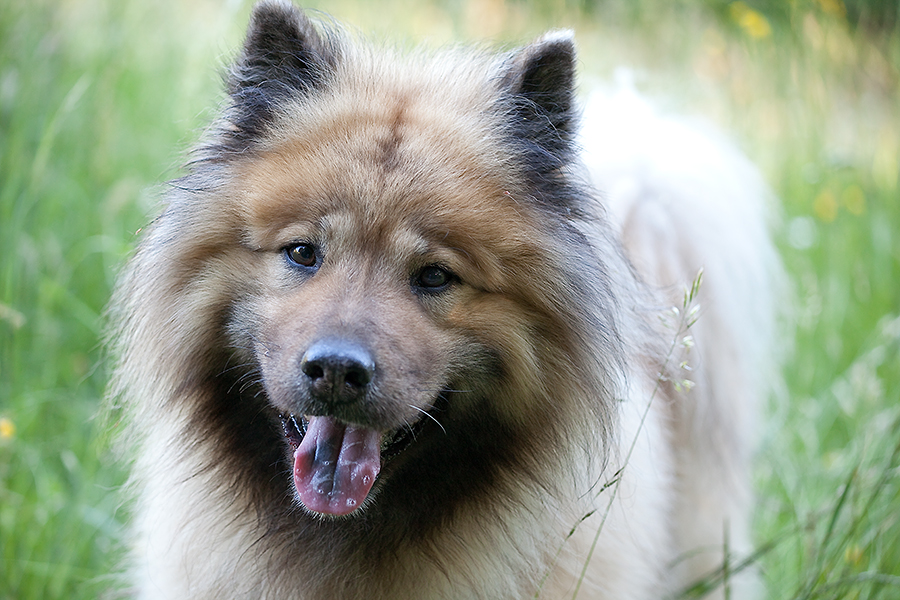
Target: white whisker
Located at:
point(430, 416)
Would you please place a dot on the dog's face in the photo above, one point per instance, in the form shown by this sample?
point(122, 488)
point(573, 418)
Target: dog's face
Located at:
point(397, 241)
point(383, 280)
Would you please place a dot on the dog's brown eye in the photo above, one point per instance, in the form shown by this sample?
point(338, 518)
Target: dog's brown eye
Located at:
point(433, 278)
point(302, 254)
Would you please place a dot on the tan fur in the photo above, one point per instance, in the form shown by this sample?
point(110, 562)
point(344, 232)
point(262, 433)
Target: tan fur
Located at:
point(401, 165)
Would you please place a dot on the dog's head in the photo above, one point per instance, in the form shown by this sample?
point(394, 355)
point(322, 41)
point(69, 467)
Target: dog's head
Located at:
point(404, 275)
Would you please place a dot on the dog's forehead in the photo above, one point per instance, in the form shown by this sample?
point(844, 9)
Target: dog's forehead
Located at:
point(402, 164)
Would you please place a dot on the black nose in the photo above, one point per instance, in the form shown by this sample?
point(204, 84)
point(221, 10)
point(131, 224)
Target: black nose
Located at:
point(337, 371)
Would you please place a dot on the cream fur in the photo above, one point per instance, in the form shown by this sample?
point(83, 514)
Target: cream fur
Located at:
point(662, 473)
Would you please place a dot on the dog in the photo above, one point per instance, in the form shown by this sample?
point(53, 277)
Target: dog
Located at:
point(409, 327)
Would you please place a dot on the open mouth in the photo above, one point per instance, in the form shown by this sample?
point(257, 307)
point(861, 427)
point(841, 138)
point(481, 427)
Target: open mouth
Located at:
point(336, 463)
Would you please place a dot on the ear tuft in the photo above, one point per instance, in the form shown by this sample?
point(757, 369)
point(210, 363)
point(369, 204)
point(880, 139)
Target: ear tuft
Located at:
point(545, 72)
point(538, 88)
point(284, 56)
point(543, 75)
point(283, 50)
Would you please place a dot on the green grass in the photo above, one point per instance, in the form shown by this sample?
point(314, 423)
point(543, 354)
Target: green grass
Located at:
point(98, 99)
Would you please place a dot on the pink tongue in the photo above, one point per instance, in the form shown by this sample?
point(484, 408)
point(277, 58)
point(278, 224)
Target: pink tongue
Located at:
point(336, 465)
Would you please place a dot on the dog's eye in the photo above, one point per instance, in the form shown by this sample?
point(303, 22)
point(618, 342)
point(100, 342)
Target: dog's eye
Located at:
point(433, 278)
point(303, 255)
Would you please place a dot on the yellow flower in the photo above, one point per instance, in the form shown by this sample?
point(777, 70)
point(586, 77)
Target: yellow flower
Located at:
point(751, 21)
point(833, 7)
point(854, 199)
point(825, 206)
point(853, 555)
point(7, 428)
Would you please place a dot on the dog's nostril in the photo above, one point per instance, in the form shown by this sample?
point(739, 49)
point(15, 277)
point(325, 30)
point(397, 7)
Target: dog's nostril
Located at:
point(313, 370)
point(338, 371)
point(357, 376)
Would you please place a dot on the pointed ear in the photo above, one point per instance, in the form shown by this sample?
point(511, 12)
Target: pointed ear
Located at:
point(282, 51)
point(542, 78)
point(539, 101)
point(284, 57)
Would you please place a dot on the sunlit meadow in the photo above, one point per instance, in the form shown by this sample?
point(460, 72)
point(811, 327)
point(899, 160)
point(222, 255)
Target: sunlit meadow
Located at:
point(99, 99)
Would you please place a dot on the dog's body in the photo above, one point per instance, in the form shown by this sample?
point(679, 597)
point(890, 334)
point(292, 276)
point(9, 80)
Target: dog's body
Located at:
point(384, 342)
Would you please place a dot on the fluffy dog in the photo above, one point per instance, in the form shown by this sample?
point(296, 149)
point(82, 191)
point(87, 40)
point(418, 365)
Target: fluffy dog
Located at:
point(388, 341)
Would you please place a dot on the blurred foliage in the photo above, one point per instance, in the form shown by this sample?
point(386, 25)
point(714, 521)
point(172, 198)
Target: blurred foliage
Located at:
point(873, 15)
point(100, 98)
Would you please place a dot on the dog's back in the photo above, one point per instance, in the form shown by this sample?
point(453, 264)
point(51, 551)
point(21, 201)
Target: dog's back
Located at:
point(693, 215)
